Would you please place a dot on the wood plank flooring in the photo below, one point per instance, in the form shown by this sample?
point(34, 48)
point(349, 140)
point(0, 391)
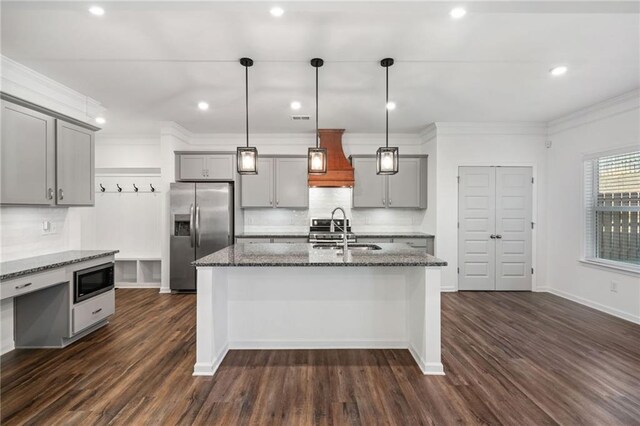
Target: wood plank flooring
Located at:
point(510, 358)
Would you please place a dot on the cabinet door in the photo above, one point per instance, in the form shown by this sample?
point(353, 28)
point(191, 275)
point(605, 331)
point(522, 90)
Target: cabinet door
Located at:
point(257, 190)
point(74, 165)
point(292, 188)
point(192, 167)
point(27, 156)
point(406, 185)
point(369, 188)
point(219, 167)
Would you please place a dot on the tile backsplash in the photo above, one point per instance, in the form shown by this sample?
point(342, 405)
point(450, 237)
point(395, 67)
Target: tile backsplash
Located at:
point(321, 202)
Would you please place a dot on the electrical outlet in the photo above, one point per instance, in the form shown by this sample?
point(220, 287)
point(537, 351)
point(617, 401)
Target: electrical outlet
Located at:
point(48, 228)
point(614, 287)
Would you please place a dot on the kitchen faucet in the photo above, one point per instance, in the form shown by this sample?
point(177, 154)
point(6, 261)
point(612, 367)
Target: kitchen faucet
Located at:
point(345, 244)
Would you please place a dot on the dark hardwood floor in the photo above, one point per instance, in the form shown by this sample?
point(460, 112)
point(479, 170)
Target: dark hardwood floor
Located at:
point(510, 358)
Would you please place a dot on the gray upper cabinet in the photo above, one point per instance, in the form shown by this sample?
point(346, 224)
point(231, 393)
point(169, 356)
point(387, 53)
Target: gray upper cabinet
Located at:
point(281, 182)
point(74, 165)
point(27, 169)
point(292, 188)
point(45, 159)
point(369, 189)
point(257, 190)
point(406, 189)
point(204, 166)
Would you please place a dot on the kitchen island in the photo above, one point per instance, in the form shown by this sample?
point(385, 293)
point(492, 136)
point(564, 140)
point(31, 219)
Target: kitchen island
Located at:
point(301, 296)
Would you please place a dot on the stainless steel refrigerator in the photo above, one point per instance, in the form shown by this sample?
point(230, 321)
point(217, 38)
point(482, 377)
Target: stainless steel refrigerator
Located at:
point(201, 223)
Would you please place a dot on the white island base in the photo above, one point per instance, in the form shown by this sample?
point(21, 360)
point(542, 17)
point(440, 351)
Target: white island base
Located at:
point(318, 308)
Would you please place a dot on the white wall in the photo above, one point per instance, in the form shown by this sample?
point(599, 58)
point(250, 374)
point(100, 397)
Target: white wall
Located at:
point(611, 125)
point(477, 144)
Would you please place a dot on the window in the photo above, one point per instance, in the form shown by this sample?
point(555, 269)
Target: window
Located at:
point(612, 202)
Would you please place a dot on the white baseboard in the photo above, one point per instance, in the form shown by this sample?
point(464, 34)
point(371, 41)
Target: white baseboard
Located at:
point(448, 289)
point(594, 305)
point(428, 368)
point(210, 368)
point(134, 285)
point(317, 344)
point(7, 347)
point(164, 290)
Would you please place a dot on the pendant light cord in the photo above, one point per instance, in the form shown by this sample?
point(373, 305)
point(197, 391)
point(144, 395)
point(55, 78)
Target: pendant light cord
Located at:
point(386, 109)
point(246, 99)
point(317, 142)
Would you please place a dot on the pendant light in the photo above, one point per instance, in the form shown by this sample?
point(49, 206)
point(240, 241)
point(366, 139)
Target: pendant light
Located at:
point(387, 157)
point(317, 156)
point(247, 156)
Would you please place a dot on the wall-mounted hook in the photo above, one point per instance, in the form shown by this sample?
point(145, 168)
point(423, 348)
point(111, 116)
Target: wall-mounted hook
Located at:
point(135, 188)
point(119, 189)
point(102, 188)
point(152, 188)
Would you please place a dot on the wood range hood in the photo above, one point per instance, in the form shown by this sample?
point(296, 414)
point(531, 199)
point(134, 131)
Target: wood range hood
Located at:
point(339, 169)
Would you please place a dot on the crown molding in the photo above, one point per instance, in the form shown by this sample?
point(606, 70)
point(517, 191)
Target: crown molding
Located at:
point(23, 82)
point(613, 106)
point(429, 133)
point(497, 128)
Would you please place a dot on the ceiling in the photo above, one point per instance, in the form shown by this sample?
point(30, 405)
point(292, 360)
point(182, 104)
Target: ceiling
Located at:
point(153, 61)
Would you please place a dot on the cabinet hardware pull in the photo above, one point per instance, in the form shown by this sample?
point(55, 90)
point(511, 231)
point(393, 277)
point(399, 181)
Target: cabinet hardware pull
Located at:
point(498, 236)
point(119, 188)
point(96, 311)
point(51, 193)
point(102, 188)
point(18, 287)
point(492, 236)
point(61, 194)
point(135, 188)
point(277, 202)
point(389, 201)
point(152, 188)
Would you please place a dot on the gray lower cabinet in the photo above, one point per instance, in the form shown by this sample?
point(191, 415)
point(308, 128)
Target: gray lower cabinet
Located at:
point(406, 189)
point(204, 166)
point(281, 182)
point(27, 157)
point(74, 165)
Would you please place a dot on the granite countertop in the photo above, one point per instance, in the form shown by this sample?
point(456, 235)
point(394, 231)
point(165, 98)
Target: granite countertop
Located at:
point(30, 265)
point(392, 254)
point(366, 234)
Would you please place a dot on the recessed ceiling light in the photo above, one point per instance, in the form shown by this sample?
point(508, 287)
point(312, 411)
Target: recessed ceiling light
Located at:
point(296, 105)
point(558, 70)
point(457, 13)
point(100, 120)
point(277, 11)
point(391, 106)
point(203, 106)
point(96, 10)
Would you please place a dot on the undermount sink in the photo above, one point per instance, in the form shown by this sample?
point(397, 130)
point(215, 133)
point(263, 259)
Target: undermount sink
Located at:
point(354, 246)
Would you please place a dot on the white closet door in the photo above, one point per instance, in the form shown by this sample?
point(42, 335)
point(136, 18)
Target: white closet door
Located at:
point(476, 216)
point(514, 192)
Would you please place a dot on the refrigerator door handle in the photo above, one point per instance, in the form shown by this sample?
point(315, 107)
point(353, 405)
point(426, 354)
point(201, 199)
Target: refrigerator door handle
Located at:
point(197, 225)
point(191, 229)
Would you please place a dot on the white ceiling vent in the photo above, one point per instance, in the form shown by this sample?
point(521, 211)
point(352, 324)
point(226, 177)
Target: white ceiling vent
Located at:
point(300, 117)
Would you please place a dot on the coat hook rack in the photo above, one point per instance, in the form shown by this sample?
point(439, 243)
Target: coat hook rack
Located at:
point(152, 188)
point(119, 189)
point(135, 188)
point(102, 188)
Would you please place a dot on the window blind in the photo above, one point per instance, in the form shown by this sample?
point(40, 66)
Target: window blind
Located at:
point(612, 202)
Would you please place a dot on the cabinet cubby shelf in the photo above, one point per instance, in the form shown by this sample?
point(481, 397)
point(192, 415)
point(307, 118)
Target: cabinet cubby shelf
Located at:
point(138, 272)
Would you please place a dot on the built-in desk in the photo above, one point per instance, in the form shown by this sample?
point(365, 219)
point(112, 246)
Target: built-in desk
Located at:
point(40, 292)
